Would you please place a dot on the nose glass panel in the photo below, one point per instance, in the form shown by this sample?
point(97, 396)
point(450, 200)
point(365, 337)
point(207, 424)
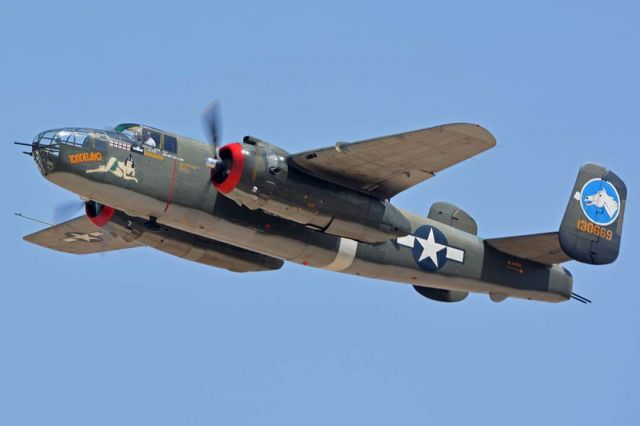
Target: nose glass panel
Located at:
point(46, 150)
point(47, 146)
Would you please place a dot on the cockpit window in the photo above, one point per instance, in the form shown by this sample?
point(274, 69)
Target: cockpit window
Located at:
point(170, 144)
point(119, 136)
point(149, 137)
point(152, 139)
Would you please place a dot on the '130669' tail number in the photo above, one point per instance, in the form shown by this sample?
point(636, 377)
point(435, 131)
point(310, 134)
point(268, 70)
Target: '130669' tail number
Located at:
point(592, 228)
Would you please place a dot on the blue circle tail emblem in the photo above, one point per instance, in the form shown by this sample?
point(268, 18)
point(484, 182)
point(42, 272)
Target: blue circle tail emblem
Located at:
point(600, 202)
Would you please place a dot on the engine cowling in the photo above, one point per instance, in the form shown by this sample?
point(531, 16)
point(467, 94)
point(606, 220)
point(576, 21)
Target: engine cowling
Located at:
point(257, 175)
point(97, 213)
point(441, 295)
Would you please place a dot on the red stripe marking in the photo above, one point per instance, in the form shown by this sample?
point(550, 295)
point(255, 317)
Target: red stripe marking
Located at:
point(171, 186)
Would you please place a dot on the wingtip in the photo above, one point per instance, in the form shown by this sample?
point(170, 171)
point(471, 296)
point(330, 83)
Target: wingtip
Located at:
point(475, 131)
point(29, 238)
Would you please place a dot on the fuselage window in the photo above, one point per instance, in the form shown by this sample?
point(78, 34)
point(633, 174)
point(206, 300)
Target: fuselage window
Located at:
point(100, 144)
point(170, 144)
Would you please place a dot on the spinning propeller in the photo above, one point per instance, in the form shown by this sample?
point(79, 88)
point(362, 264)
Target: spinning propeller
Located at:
point(66, 210)
point(212, 117)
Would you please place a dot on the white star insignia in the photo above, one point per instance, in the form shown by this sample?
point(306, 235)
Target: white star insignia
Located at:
point(430, 248)
point(89, 238)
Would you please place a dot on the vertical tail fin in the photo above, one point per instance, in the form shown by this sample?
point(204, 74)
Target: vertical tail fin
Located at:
point(592, 225)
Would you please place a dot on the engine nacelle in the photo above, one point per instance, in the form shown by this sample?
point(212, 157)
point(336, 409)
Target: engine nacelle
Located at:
point(189, 246)
point(257, 175)
point(97, 213)
point(440, 295)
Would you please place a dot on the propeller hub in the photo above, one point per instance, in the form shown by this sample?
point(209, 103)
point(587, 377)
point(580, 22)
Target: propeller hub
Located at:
point(213, 163)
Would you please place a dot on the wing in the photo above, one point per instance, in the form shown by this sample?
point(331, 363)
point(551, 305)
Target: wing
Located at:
point(542, 248)
point(388, 165)
point(78, 236)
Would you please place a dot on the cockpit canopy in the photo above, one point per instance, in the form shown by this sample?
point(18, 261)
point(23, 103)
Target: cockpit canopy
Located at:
point(149, 137)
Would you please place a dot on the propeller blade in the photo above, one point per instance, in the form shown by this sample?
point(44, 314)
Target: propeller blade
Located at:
point(66, 210)
point(212, 116)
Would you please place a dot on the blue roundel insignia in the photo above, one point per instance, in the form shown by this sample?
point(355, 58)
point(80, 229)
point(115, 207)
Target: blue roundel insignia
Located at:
point(600, 201)
point(430, 248)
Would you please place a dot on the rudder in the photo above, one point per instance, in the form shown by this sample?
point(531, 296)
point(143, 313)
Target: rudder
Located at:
point(592, 225)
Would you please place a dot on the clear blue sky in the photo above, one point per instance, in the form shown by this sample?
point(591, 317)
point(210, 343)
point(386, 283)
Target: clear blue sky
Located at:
point(141, 338)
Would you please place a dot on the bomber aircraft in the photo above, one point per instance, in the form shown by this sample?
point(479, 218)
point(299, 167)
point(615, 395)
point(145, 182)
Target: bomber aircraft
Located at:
point(251, 206)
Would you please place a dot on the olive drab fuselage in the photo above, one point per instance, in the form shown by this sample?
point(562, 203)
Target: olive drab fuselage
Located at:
point(173, 187)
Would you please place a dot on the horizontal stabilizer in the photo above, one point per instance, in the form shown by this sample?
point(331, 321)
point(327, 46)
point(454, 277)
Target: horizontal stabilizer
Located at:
point(542, 248)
